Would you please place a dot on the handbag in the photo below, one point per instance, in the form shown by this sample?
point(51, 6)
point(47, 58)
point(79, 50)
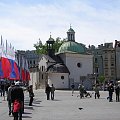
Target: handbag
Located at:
point(16, 106)
point(32, 95)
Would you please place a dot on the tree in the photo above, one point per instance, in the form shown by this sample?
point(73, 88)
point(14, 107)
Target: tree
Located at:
point(42, 49)
point(101, 79)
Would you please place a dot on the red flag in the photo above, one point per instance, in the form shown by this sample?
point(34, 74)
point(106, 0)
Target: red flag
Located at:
point(6, 66)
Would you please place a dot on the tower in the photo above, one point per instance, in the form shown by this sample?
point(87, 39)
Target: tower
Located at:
point(50, 49)
point(71, 34)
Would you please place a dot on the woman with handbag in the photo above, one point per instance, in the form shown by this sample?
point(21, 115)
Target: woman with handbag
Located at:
point(31, 94)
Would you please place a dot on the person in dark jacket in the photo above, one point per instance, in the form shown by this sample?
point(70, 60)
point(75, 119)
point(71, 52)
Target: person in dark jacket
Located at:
point(47, 91)
point(7, 85)
point(31, 94)
point(117, 92)
point(52, 92)
point(17, 95)
point(97, 93)
point(111, 90)
point(9, 97)
point(2, 89)
point(72, 87)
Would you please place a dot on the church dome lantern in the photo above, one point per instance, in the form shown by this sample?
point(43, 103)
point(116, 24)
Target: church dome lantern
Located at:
point(70, 45)
point(50, 49)
point(71, 34)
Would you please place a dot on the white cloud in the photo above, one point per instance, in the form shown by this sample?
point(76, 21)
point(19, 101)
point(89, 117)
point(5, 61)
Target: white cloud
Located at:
point(22, 25)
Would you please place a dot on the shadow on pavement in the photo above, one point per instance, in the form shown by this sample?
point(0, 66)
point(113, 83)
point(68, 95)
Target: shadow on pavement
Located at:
point(27, 113)
point(27, 107)
point(36, 105)
point(36, 102)
point(56, 100)
point(26, 117)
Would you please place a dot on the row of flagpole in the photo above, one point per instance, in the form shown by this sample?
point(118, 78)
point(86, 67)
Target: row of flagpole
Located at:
point(10, 67)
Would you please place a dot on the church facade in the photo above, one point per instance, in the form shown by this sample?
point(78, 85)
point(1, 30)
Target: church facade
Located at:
point(70, 65)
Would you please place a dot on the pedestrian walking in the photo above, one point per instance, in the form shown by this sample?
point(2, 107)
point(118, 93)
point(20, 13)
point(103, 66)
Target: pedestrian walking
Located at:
point(2, 89)
point(9, 98)
point(47, 91)
point(117, 92)
point(110, 90)
point(52, 92)
point(31, 94)
point(0, 92)
point(72, 87)
point(17, 98)
point(7, 85)
point(96, 89)
point(81, 90)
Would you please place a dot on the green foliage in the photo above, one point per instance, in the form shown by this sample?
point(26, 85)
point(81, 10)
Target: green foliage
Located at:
point(58, 43)
point(42, 49)
point(101, 78)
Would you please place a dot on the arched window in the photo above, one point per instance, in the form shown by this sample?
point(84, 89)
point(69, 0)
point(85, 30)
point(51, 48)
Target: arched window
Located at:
point(62, 77)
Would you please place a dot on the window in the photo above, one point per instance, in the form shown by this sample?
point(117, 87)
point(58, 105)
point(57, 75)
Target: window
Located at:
point(34, 62)
point(106, 64)
point(112, 56)
point(112, 64)
point(97, 70)
point(106, 72)
point(42, 68)
point(42, 76)
point(95, 60)
point(112, 73)
point(106, 57)
point(62, 77)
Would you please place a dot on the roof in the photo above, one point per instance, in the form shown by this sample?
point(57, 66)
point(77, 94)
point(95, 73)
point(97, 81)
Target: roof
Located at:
point(71, 30)
point(71, 46)
point(58, 68)
point(50, 39)
point(53, 59)
point(48, 58)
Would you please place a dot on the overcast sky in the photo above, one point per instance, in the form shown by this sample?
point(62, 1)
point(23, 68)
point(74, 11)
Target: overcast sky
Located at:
point(23, 22)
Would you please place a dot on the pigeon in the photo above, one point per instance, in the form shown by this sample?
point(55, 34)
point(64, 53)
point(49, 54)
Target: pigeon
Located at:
point(80, 108)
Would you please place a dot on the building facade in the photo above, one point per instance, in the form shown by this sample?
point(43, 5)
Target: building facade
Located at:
point(104, 61)
point(32, 59)
point(71, 64)
point(117, 60)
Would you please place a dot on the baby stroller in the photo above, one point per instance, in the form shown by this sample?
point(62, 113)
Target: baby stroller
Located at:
point(87, 94)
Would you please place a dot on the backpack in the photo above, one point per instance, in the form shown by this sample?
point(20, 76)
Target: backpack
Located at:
point(16, 106)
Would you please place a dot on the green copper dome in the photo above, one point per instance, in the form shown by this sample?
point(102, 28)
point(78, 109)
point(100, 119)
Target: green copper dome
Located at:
point(71, 30)
point(71, 46)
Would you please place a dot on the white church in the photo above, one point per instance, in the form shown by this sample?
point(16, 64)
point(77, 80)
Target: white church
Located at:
point(70, 65)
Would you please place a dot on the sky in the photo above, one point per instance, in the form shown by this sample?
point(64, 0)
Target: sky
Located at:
point(24, 22)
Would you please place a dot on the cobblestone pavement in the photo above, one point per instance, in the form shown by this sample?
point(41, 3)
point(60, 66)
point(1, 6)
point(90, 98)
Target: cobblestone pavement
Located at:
point(66, 107)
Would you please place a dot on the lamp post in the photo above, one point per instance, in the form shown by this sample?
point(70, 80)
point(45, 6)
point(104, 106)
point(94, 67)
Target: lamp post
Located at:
point(95, 78)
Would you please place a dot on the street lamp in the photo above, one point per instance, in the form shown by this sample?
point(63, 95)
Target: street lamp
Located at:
point(95, 78)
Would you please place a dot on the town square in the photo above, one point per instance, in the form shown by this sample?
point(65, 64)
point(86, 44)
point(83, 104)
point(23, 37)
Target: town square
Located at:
point(59, 60)
point(66, 106)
